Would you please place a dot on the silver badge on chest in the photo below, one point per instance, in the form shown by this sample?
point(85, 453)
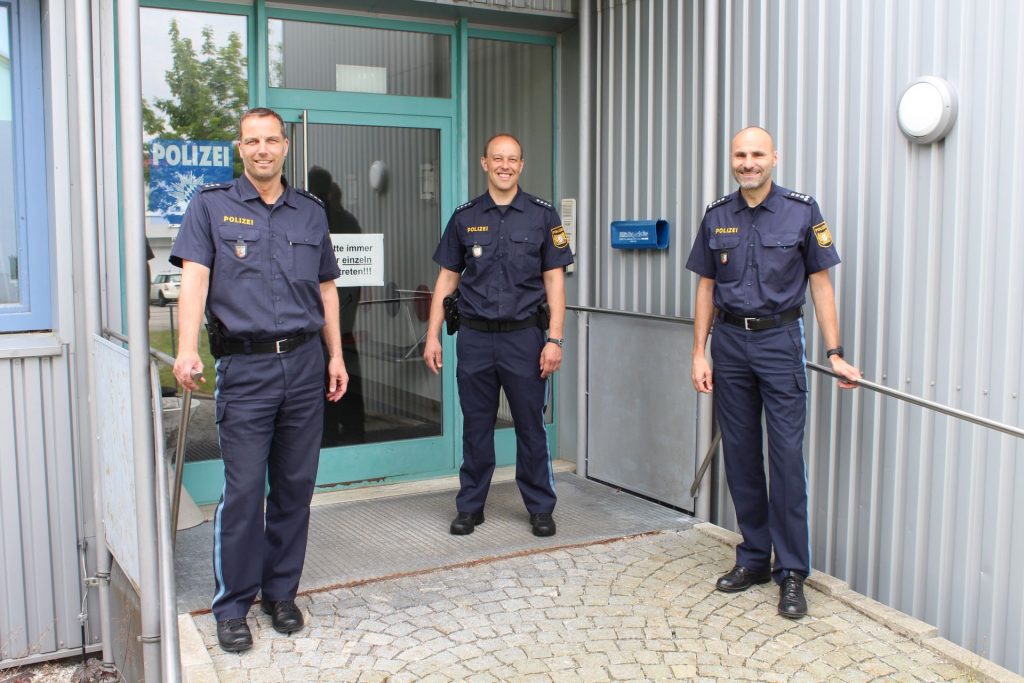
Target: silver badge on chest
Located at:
point(241, 250)
point(477, 251)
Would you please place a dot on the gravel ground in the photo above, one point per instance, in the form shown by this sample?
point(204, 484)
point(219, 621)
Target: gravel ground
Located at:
point(64, 671)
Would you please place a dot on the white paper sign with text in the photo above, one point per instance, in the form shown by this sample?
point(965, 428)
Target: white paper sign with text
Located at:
point(360, 259)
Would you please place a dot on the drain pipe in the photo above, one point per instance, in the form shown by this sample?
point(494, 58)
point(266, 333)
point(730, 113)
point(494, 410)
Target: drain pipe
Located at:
point(702, 506)
point(584, 251)
point(137, 305)
point(87, 201)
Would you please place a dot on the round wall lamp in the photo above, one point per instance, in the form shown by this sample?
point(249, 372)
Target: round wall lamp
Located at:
point(379, 176)
point(927, 110)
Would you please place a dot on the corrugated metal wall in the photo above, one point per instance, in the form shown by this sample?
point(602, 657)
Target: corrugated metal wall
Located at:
point(911, 508)
point(40, 584)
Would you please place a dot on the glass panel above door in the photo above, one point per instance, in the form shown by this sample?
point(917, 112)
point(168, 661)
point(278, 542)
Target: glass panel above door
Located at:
point(314, 56)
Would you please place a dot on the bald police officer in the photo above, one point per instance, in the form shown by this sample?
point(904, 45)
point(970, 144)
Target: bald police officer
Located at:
point(755, 253)
point(504, 252)
point(256, 255)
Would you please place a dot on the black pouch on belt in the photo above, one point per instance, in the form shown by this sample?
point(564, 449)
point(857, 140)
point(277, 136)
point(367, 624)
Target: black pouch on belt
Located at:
point(543, 315)
point(214, 332)
point(451, 313)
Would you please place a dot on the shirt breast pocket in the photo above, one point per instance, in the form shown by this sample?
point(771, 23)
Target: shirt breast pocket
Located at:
point(304, 247)
point(477, 245)
point(240, 251)
point(782, 260)
point(525, 243)
point(728, 257)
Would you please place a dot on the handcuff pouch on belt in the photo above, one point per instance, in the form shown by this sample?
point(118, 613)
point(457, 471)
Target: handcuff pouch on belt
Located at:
point(451, 313)
point(543, 315)
point(216, 334)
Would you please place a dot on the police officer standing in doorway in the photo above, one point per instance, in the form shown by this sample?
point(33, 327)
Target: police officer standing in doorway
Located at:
point(256, 256)
point(502, 255)
point(755, 253)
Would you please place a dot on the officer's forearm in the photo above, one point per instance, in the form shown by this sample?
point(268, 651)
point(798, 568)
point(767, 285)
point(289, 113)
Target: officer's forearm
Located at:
point(332, 318)
point(554, 289)
point(704, 313)
point(195, 283)
point(824, 297)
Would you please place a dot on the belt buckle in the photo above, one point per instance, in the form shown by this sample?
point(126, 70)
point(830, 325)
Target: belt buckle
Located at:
point(277, 346)
point(746, 324)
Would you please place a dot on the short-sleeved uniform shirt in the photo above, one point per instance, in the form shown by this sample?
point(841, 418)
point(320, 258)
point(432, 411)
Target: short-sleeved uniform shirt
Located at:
point(502, 254)
point(760, 257)
point(266, 263)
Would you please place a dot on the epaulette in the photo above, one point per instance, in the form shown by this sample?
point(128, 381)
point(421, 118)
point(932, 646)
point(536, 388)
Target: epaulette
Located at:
point(538, 200)
point(719, 201)
point(307, 193)
point(796, 196)
point(464, 206)
point(213, 186)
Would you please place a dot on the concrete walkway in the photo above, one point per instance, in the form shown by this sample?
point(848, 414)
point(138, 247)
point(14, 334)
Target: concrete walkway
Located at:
point(640, 607)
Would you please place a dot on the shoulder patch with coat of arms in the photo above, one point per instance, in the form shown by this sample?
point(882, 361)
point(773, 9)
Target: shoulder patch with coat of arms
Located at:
point(822, 234)
point(559, 238)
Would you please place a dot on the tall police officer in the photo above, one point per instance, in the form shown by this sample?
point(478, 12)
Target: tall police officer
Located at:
point(756, 251)
point(504, 252)
point(256, 255)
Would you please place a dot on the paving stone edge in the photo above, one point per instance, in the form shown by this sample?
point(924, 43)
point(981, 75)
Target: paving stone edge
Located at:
point(926, 635)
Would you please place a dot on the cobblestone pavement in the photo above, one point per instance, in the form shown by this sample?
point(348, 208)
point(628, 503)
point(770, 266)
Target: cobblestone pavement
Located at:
point(641, 608)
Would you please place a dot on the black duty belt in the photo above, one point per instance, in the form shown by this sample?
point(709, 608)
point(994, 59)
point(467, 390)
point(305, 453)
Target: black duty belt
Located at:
point(285, 345)
point(499, 325)
point(766, 322)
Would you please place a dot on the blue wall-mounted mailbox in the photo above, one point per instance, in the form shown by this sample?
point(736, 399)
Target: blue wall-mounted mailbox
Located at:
point(640, 234)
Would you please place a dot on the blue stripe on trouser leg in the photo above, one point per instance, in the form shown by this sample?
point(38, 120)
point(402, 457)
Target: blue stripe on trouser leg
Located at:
point(518, 360)
point(256, 393)
point(755, 370)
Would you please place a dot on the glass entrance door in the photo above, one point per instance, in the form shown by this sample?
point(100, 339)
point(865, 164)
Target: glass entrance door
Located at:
point(382, 187)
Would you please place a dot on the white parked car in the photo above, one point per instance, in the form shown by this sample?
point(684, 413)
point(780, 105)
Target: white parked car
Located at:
point(164, 288)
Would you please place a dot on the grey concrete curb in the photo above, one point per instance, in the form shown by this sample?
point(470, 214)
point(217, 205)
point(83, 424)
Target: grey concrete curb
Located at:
point(924, 634)
point(196, 662)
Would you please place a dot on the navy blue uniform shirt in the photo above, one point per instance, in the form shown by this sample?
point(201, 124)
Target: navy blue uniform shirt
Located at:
point(760, 257)
point(266, 264)
point(502, 255)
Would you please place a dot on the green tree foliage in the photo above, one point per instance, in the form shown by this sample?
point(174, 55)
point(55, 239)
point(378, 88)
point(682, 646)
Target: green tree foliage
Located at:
point(209, 90)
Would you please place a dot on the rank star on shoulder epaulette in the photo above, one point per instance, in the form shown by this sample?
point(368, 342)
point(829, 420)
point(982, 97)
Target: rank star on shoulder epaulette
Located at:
point(719, 201)
point(805, 198)
point(464, 206)
point(538, 200)
point(307, 193)
point(214, 186)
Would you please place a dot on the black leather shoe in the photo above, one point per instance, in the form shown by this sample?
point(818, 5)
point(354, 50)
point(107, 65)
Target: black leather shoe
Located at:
point(233, 635)
point(741, 578)
point(284, 615)
point(791, 597)
point(465, 522)
point(542, 523)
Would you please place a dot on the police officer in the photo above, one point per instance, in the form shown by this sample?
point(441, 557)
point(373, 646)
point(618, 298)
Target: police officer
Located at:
point(755, 253)
point(256, 255)
point(504, 252)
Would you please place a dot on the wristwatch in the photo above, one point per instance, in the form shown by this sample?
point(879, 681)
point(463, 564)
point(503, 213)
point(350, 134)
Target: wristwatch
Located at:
point(838, 351)
point(556, 340)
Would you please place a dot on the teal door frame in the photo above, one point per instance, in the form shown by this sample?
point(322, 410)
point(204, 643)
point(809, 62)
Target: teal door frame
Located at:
point(353, 466)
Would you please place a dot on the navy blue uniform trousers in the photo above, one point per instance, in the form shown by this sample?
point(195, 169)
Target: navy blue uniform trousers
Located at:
point(757, 370)
point(269, 420)
point(488, 362)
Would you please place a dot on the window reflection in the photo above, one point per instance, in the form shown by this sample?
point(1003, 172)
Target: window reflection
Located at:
point(9, 289)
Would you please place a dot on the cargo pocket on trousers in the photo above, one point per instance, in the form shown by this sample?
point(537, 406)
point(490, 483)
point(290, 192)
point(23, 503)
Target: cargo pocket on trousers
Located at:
point(801, 380)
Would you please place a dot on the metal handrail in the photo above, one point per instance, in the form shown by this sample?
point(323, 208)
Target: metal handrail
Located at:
point(867, 384)
point(179, 447)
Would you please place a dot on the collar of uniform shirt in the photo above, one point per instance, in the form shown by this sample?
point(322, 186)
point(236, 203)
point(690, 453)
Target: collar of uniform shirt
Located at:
point(769, 201)
point(247, 192)
point(518, 202)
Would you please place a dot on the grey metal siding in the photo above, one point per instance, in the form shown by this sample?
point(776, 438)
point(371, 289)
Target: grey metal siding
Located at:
point(40, 587)
point(913, 509)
